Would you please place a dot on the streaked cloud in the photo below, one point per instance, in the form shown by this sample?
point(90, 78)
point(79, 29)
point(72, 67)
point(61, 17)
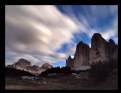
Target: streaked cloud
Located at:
point(39, 32)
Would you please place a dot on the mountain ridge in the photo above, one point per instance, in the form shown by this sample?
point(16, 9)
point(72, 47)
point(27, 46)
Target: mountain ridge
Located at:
point(23, 64)
point(100, 50)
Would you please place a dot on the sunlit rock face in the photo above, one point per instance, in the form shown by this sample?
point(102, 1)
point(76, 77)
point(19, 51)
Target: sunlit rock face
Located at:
point(46, 66)
point(101, 50)
point(25, 65)
point(81, 55)
point(22, 64)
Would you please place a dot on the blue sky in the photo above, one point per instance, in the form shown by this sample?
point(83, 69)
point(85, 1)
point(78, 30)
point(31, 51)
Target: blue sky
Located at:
point(49, 34)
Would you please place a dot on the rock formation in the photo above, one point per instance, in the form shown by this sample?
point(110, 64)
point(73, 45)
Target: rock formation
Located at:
point(46, 66)
point(113, 50)
point(81, 55)
point(25, 65)
point(101, 50)
point(21, 64)
point(70, 62)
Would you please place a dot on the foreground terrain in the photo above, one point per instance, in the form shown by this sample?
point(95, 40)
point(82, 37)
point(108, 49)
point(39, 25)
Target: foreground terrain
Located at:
point(59, 83)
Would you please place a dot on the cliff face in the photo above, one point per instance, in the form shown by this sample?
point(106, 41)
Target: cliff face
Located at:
point(81, 55)
point(100, 50)
point(113, 50)
point(70, 62)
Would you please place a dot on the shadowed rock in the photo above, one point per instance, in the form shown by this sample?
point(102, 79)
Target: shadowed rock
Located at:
point(70, 62)
point(100, 50)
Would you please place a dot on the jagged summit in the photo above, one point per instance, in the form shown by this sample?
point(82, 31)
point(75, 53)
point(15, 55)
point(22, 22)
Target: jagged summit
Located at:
point(111, 42)
point(69, 62)
point(46, 66)
point(81, 54)
point(96, 35)
point(101, 50)
point(25, 65)
point(81, 42)
point(23, 61)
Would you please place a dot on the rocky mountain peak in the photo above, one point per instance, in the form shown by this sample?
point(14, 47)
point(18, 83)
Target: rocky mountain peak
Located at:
point(96, 35)
point(46, 66)
point(80, 43)
point(100, 50)
point(69, 57)
point(97, 41)
point(69, 62)
point(35, 67)
point(113, 49)
point(81, 55)
point(81, 48)
point(111, 42)
point(23, 62)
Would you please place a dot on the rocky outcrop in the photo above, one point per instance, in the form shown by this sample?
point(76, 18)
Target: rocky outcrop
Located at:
point(25, 65)
point(70, 62)
point(115, 53)
point(113, 50)
point(81, 55)
point(21, 64)
point(46, 66)
point(101, 50)
point(33, 68)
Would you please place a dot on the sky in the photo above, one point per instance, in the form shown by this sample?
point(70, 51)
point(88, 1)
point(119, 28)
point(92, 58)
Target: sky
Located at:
point(49, 33)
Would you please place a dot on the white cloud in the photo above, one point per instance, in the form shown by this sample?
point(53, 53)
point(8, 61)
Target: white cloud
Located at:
point(94, 14)
point(108, 34)
point(37, 30)
point(72, 50)
point(112, 31)
point(72, 56)
point(116, 40)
